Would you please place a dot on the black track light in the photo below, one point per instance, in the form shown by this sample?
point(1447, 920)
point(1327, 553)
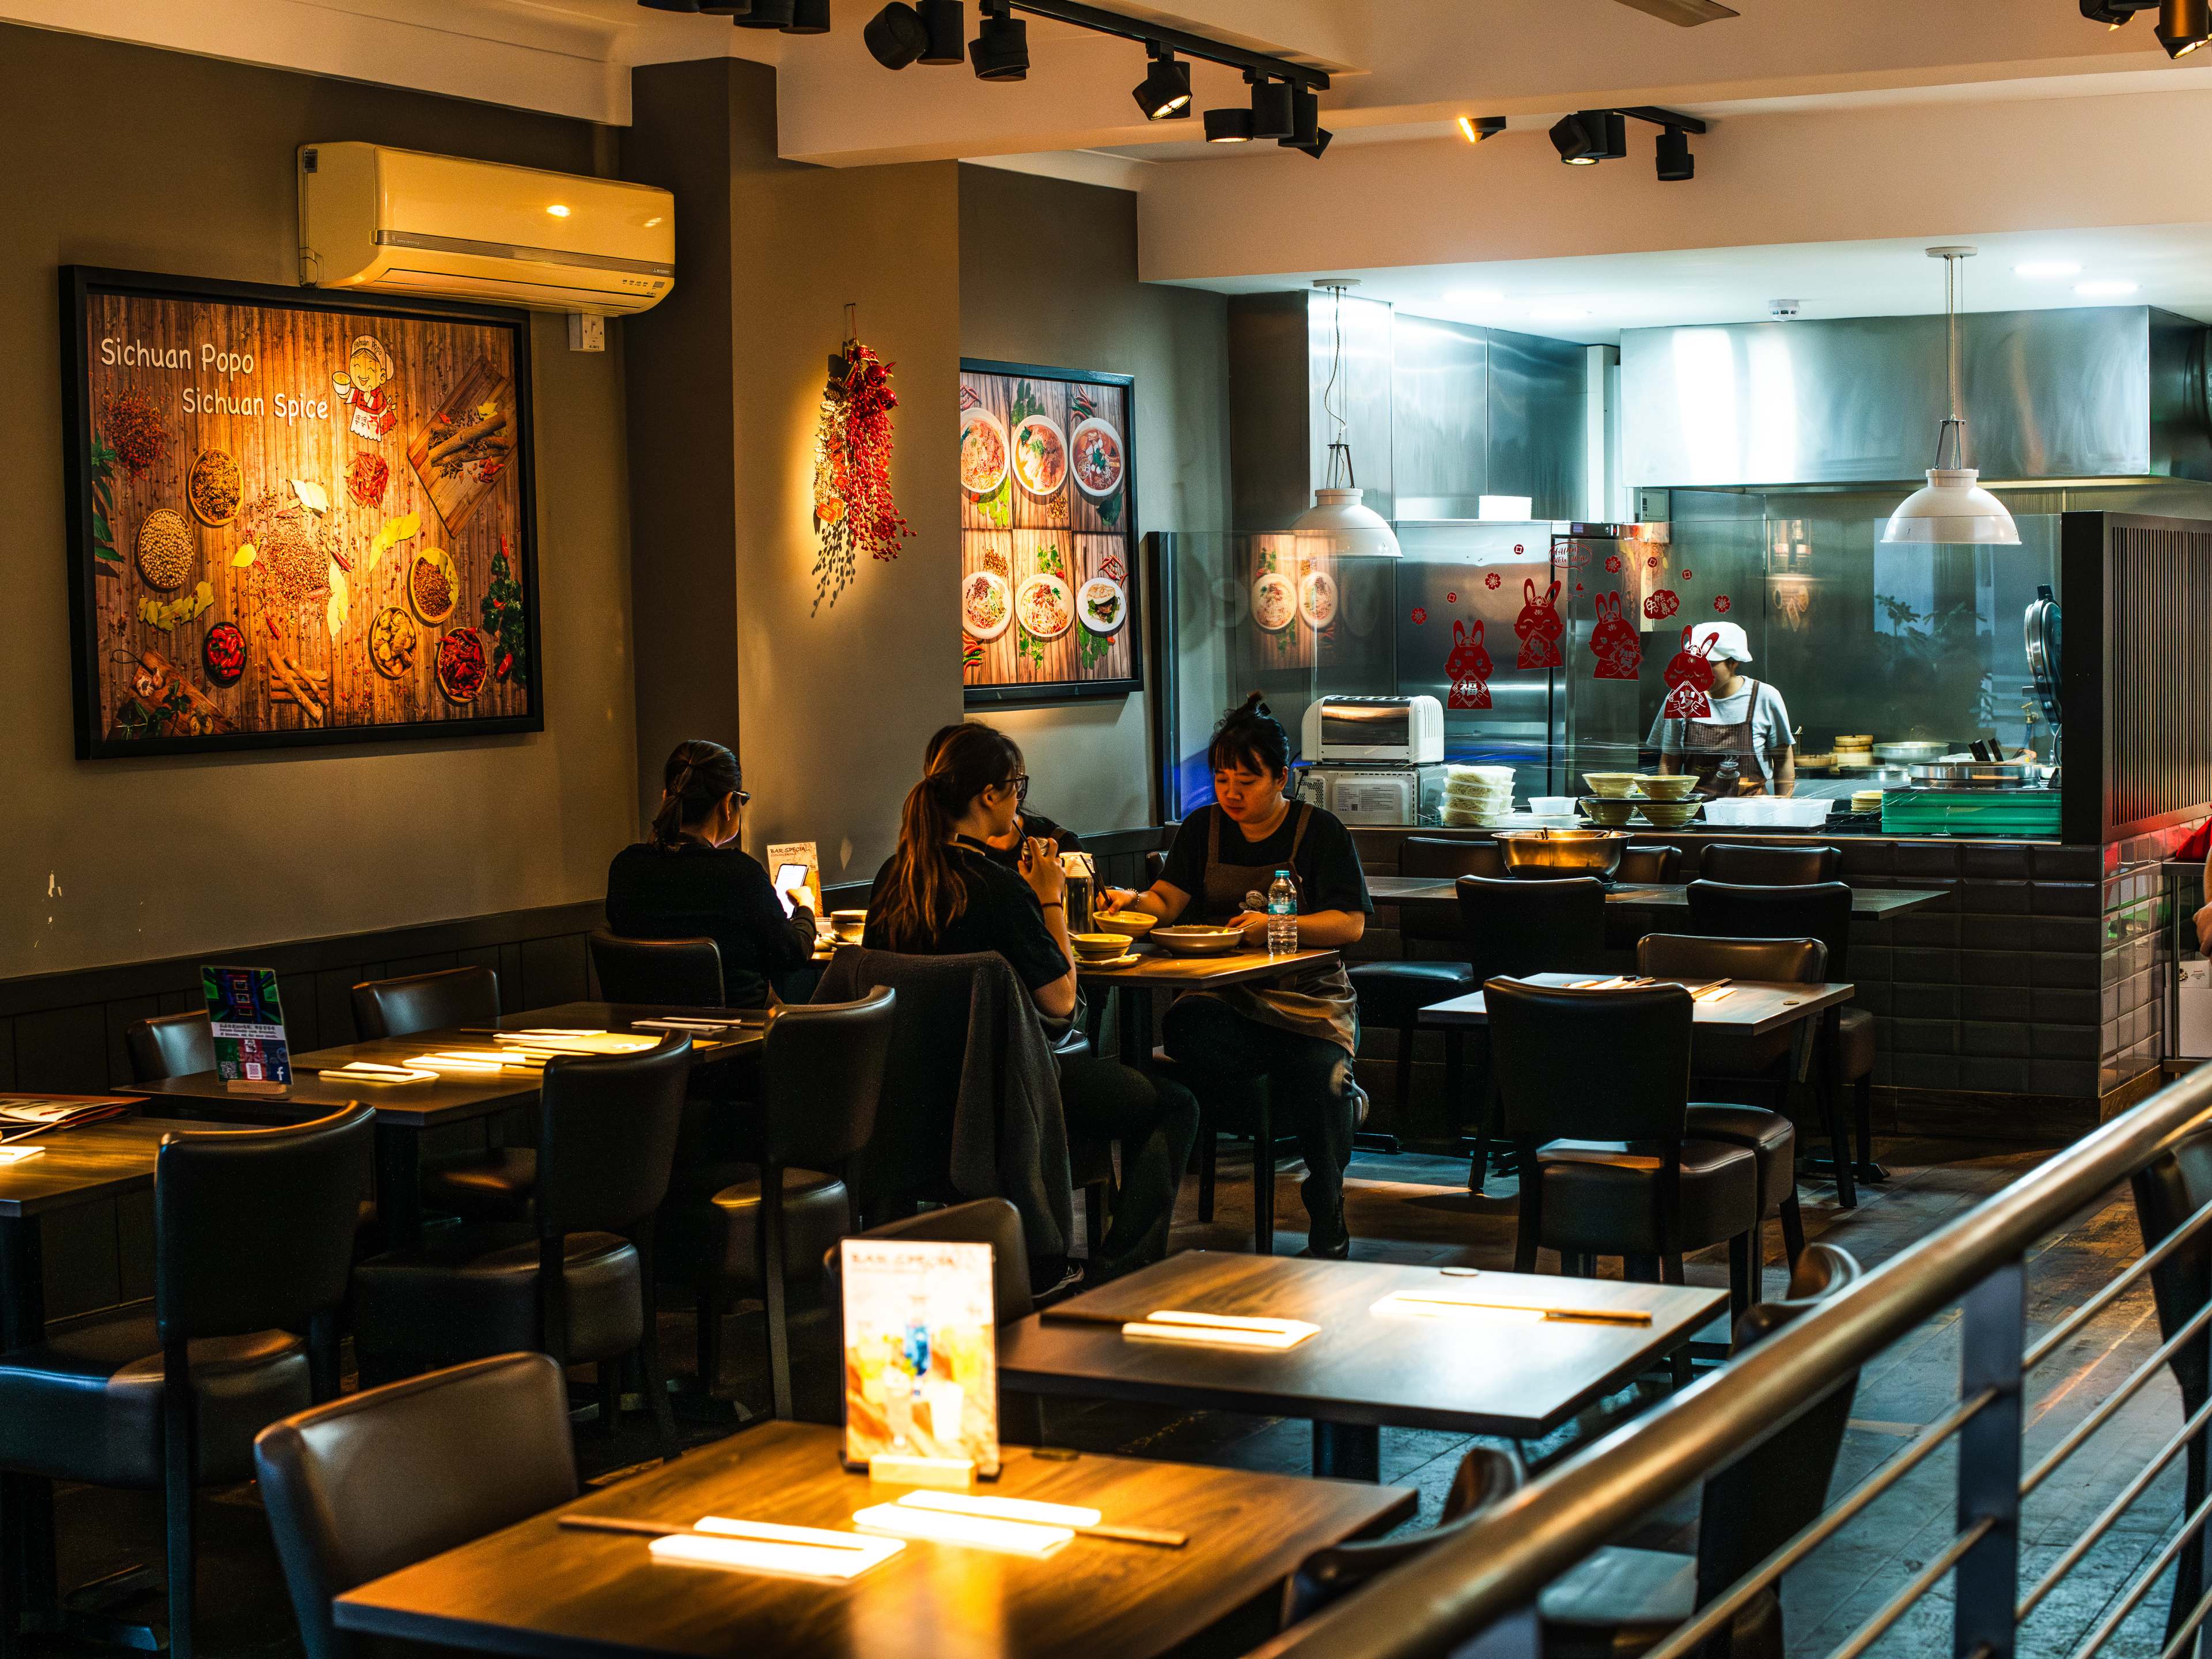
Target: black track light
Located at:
point(1476, 128)
point(1164, 93)
point(1675, 162)
point(1305, 118)
point(808, 17)
point(724, 8)
point(1000, 50)
point(1229, 126)
point(1591, 135)
point(767, 14)
point(1271, 110)
point(947, 24)
point(2113, 13)
point(670, 5)
point(2182, 26)
point(896, 36)
point(1313, 146)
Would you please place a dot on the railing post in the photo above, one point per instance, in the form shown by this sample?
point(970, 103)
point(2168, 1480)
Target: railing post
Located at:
point(1994, 1335)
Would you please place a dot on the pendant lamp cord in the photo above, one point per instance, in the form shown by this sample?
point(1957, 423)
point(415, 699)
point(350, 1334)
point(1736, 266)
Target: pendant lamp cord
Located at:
point(1954, 424)
point(1340, 447)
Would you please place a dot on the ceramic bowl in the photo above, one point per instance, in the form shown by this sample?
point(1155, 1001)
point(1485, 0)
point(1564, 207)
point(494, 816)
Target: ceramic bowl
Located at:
point(1198, 941)
point(1099, 947)
point(1614, 814)
point(1130, 924)
point(847, 926)
point(1610, 786)
point(1674, 789)
point(1670, 814)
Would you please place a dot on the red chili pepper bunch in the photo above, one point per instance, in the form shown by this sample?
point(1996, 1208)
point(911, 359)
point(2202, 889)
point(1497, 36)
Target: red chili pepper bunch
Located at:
point(853, 504)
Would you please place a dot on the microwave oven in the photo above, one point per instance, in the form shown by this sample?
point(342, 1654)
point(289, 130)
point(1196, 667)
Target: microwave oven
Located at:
point(1397, 731)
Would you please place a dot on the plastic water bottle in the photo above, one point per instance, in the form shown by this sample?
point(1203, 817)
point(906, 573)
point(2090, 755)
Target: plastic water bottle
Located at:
point(1282, 915)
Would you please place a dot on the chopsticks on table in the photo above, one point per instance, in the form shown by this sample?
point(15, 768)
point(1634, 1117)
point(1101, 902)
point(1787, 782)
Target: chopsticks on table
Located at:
point(824, 1541)
point(1618, 982)
point(1712, 990)
point(1443, 1299)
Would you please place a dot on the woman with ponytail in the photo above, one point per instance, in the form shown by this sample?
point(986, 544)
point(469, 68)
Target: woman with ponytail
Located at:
point(944, 893)
point(687, 880)
point(1301, 1033)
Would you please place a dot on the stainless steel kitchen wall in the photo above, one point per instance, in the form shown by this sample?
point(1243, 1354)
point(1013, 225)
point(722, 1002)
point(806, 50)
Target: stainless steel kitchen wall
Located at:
point(2090, 393)
point(1440, 417)
point(1280, 360)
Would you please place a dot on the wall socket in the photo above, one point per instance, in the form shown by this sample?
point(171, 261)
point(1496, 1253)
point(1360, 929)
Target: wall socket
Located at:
point(587, 332)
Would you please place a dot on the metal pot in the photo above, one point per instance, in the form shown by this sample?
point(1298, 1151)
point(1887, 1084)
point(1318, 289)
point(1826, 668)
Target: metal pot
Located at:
point(1553, 852)
point(1908, 754)
point(1976, 775)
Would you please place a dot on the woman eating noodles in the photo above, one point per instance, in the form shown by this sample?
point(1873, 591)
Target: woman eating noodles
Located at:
point(686, 881)
point(1300, 1034)
point(942, 893)
point(1028, 824)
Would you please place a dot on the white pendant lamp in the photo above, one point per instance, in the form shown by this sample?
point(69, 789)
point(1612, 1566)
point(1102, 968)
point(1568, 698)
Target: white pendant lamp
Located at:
point(1953, 508)
point(1336, 525)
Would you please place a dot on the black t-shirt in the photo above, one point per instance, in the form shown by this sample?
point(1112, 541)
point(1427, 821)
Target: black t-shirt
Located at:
point(1037, 826)
point(693, 890)
point(1002, 914)
point(1327, 868)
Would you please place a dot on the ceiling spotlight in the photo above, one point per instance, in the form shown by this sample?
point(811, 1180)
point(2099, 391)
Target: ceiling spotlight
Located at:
point(1000, 50)
point(1314, 146)
point(2182, 26)
point(2111, 12)
point(722, 7)
point(2047, 268)
point(1675, 162)
point(896, 36)
point(670, 5)
point(808, 17)
point(947, 24)
point(1271, 109)
point(2104, 291)
point(1164, 93)
point(1305, 132)
point(1590, 136)
point(1229, 126)
point(1476, 128)
point(766, 14)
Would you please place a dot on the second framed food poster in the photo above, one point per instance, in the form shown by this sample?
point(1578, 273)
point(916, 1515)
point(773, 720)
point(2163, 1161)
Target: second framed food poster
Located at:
point(295, 517)
point(1048, 579)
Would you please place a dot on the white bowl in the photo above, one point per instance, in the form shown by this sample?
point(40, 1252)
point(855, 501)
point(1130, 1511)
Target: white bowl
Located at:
point(1552, 805)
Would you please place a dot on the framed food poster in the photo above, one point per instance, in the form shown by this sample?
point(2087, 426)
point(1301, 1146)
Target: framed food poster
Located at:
point(1049, 589)
point(295, 517)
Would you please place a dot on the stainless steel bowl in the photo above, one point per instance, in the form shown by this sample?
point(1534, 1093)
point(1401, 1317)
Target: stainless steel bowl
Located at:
point(1976, 775)
point(1551, 852)
point(1908, 754)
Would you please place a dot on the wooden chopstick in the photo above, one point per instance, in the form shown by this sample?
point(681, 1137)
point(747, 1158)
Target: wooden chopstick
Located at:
point(664, 1530)
point(1166, 1540)
point(1592, 1316)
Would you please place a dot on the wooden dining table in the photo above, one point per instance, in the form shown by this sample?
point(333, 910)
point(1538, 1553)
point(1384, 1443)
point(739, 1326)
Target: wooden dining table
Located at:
point(1157, 969)
point(1868, 903)
point(1748, 1008)
point(545, 1591)
point(405, 1111)
point(1470, 1371)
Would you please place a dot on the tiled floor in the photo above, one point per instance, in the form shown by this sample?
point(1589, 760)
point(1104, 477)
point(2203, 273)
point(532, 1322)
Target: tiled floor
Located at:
point(1418, 1210)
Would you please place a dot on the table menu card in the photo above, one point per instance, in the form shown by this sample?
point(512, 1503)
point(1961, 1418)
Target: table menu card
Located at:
point(251, 1055)
point(921, 1355)
point(21, 1116)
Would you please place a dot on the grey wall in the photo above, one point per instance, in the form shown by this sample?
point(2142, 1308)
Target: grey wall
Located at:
point(125, 157)
point(1049, 276)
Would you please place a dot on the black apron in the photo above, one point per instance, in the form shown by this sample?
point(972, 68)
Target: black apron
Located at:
point(1704, 748)
point(1318, 1003)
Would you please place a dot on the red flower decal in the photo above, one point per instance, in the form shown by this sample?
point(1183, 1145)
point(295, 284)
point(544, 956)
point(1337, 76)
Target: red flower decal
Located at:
point(1613, 565)
point(1493, 581)
point(1651, 563)
point(1517, 548)
point(1685, 573)
point(1720, 604)
point(1451, 599)
point(1420, 616)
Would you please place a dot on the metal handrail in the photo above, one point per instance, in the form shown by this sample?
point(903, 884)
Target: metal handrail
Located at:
point(1502, 1562)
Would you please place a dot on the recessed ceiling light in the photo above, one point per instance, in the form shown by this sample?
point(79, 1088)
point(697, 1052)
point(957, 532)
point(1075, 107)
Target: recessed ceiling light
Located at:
point(2042, 268)
point(2104, 291)
point(558, 211)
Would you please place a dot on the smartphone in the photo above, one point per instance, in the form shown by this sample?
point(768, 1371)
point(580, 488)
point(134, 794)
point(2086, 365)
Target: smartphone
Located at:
point(788, 876)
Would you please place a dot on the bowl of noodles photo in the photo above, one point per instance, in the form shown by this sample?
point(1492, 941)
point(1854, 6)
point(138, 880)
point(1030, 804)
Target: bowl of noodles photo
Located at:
point(1274, 601)
point(982, 451)
point(986, 608)
point(1097, 463)
point(1045, 607)
point(1040, 456)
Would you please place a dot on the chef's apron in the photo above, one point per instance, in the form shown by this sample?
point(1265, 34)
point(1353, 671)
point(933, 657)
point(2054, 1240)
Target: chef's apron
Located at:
point(1318, 1003)
point(1706, 747)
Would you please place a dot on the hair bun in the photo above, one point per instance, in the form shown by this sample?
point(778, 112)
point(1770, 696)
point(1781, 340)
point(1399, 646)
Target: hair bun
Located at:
point(1254, 704)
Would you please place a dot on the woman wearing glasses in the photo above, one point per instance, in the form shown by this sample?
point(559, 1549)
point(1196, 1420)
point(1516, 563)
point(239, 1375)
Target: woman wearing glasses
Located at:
point(944, 893)
point(689, 880)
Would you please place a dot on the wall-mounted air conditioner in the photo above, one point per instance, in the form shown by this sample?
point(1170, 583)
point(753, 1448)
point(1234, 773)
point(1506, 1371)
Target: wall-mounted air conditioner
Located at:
point(399, 221)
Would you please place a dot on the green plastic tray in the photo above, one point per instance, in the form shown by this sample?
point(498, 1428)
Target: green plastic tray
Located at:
point(1970, 811)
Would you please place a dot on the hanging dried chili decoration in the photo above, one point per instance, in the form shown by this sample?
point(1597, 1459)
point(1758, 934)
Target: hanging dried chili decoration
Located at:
point(853, 505)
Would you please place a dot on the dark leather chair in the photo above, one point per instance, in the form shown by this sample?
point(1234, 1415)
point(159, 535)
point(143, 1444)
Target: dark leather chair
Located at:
point(582, 1288)
point(1622, 1603)
point(1486, 1476)
point(1242, 1107)
point(253, 1235)
point(1511, 927)
point(762, 1226)
point(1595, 1087)
point(990, 1221)
point(1820, 910)
point(493, 1182)
point(170, 1045)
point(1393, 994)
point(669, 973)
point(1751, 864)
point(2168, 1194)
point(379, 1480)
point(1651, 864)
point(1720, 1058)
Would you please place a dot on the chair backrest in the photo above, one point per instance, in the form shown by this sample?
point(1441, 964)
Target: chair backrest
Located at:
point(1486, 1475)
point(1651, 863)
point(1591, 1065)
point(426, 1002)
point(674, 973)
point(1694, 956)
point(170, 1045)
point(378, 1480)
point(821, 1076)
point(253, 1229)
point(1820, 910)
point(606, 1137)
point(1781, 1484)
point(1753, 866)
point(990, 1221)
point(1514, 927)
point(2168, 1191)
point(1441, 859)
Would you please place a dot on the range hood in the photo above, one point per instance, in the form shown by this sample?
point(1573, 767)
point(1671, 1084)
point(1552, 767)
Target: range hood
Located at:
point(2105, 392)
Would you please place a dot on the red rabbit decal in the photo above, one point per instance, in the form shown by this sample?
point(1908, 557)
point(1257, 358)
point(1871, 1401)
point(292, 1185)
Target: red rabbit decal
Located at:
point(1468, 665)
point(1539, 626)
point(1689, 681)
point(1619, 652)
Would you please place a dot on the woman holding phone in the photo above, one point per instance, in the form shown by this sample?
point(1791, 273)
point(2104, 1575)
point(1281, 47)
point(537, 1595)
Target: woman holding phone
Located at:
point(1301, 1033)
point(942, 893)
point(687, 880)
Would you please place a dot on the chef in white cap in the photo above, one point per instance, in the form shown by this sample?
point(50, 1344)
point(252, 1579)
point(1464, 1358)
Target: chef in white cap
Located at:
point(1749, 726)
